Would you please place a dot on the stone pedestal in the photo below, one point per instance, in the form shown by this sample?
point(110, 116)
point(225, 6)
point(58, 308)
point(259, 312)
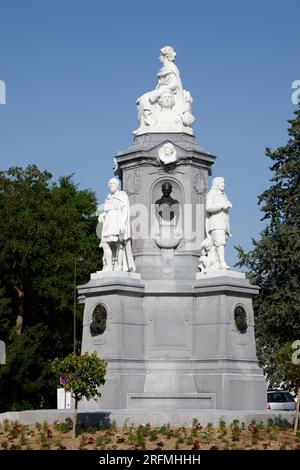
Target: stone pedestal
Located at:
point(175, 344)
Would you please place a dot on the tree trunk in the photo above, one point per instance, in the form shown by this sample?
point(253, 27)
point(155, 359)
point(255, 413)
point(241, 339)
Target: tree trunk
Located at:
point(297, 412)
point(74, 419)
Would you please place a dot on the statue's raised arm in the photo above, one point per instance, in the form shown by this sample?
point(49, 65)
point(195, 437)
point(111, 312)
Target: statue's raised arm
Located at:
point(167, 108)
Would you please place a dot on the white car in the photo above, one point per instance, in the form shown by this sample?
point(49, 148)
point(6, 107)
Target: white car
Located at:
point(280, 400)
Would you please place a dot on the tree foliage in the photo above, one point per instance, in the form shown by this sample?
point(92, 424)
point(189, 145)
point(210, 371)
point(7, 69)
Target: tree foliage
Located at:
point(44, 226)
point(82, 376)
point(288, 366)
point(274, 261)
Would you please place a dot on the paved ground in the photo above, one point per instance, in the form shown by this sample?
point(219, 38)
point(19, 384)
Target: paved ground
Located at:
point(155, 418)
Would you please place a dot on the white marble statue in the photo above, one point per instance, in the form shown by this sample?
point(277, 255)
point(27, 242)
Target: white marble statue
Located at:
point(208, 260)
point(212, 256)
point(168, 108)
point(114, 222)
point(167, 153)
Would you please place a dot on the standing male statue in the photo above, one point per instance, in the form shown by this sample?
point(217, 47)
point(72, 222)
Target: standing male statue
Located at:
point(217, 220)
point(115, 230)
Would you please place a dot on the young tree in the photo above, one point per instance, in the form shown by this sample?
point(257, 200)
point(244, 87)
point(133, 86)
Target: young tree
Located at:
point(44, 226)
point(82, 376)
point(274, 262)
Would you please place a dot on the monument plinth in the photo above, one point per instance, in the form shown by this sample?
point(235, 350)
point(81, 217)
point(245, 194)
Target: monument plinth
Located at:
point(174, 337)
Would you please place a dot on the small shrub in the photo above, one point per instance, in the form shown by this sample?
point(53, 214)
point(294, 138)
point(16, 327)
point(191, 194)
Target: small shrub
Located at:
point(140, 438)
point(205, 437)
point(235, 431)
point(45, 426)
point(163, 429)
point(131, 438)
point(99, 442)
point(15, 430)
point(83, 441)
point(22, 438)
point(270, 422)
point(113, 426)
point(195, 423)
point(58, 441)
point(169, 433)
point(226, 444)
point(4, 444)
point(180, 439)
point(153, 435)
point(64, 427)
point(222, 429)
point(189, 440)
point(59, 444)
point(6, 425)
point(43, 440)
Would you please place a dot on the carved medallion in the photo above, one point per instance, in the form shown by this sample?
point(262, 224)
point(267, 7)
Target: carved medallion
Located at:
point(240, 318)
point(167, 153)
point(99, 317)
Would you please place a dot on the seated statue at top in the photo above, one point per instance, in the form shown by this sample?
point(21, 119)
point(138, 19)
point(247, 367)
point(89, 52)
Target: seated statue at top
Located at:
point(168, 108)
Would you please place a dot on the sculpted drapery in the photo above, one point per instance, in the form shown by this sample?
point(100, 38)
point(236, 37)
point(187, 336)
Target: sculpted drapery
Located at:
point(168, 107)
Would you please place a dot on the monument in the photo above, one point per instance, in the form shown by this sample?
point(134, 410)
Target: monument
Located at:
point(173, 321)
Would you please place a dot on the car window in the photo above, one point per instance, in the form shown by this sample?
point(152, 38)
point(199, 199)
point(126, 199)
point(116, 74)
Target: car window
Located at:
point(279, 397)
point(289, 397)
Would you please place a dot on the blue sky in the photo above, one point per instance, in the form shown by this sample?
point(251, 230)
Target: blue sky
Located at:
point(73, 70)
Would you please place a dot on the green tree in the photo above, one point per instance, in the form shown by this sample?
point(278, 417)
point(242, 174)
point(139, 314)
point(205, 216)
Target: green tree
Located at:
point(82, 376)
point(274, 261)
point(44, 225)
point(288, 366)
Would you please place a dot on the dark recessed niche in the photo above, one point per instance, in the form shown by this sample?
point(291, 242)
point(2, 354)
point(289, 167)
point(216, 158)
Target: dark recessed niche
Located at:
point(240, 318)
point(99, 317)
